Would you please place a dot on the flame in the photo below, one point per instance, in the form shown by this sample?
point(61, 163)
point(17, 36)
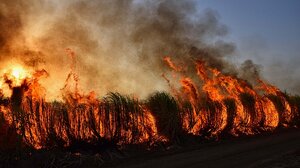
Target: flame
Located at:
point(210, 103)
point(16, 74)
point(252, 111)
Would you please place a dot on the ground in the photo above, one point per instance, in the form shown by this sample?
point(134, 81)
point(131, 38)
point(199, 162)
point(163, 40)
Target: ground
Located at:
point(280, 150)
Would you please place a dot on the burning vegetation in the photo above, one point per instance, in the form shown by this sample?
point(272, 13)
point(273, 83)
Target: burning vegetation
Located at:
point(209, 105)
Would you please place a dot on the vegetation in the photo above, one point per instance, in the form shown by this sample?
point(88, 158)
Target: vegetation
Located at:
point(167, 114)
point(119, 120)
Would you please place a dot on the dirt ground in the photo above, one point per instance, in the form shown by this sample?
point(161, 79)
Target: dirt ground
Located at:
point(272, 150)
point(279, 150)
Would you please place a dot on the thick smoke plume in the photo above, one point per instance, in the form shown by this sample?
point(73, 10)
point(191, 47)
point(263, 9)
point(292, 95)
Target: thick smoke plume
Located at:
point(119, 44)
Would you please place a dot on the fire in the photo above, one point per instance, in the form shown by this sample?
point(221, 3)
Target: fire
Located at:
point(16, 74)
point(208, 103)
point(252, 109)
point(80, 117)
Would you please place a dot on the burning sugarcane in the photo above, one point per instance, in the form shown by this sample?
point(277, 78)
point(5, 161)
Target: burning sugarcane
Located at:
point(209, 106)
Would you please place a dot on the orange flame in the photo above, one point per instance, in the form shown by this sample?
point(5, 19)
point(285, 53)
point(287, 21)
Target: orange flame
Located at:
point(209, 102)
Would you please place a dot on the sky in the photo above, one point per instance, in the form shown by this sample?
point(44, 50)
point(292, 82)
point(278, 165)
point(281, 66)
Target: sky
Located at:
point(266, 31)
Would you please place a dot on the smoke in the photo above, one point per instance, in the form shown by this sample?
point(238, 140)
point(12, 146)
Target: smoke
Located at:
point(250, 71)
point(119, 44)
point(11, 25)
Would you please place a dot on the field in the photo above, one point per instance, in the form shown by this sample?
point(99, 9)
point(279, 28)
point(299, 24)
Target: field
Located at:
point(210, 106)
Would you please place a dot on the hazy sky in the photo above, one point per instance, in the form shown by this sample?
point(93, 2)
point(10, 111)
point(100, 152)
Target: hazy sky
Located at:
point(267, 31)
point(127, 39)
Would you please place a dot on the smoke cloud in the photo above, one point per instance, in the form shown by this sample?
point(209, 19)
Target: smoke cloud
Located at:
point(119, 44)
